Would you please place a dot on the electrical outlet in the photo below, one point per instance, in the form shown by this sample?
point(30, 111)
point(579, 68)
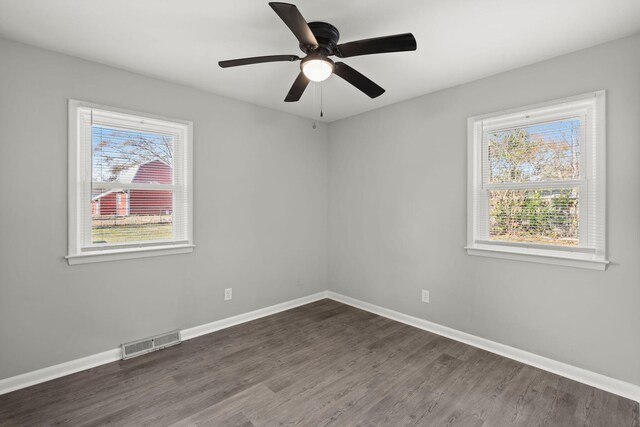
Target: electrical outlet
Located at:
point(425, 296)
point(227, 294)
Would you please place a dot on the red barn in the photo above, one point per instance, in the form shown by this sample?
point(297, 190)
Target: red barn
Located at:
point(137, 202)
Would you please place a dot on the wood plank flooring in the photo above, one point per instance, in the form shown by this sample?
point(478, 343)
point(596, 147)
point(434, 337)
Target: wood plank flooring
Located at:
point(322, 364)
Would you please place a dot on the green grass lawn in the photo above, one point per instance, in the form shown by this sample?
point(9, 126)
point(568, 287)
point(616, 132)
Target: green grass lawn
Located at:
point(132, 232)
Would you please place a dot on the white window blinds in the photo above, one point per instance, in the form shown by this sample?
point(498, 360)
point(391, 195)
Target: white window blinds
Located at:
point(537, 182)
point(133, 182)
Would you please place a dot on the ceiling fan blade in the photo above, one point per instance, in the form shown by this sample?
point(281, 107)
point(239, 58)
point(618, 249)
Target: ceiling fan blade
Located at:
point(297, 89)
point(257, 60)
point(395, 43)
point(358, 80)
point(291, 16)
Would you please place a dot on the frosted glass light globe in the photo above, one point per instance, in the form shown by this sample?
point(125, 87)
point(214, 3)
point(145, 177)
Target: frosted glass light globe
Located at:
point(317, 70)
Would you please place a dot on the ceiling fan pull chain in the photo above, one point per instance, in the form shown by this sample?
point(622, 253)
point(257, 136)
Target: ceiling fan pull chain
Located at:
point(314, 106)
point(321, 98)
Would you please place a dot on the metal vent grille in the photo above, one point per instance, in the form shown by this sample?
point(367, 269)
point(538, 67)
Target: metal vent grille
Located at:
point(138, 347)
point(146, 345)
point(163, 340)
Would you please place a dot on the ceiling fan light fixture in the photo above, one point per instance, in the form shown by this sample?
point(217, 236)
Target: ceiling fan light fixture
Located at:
point(317, 68)
point(318, 40)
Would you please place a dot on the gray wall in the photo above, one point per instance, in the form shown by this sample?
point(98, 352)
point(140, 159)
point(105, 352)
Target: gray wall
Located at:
point(395, 179)
point(398, 218)
point(260, 214)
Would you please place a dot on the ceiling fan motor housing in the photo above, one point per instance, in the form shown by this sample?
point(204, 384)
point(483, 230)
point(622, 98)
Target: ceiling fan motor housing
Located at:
point(327, 36)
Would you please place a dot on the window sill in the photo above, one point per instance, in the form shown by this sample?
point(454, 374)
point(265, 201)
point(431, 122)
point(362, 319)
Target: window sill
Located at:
point(131, 253)
point(578, 260)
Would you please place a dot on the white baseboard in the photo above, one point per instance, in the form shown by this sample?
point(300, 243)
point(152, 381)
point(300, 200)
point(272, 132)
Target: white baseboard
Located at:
point(57, 371)
point(612, 385)
point(207, 328)
point(52, 372)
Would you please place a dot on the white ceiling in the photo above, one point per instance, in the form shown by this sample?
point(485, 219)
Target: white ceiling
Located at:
point(182, 41)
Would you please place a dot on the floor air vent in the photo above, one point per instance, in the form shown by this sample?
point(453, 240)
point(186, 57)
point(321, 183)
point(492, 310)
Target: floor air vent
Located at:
point(147, 345)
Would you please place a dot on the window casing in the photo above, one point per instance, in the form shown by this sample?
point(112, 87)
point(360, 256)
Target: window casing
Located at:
point(536, 183)
point(130, 184)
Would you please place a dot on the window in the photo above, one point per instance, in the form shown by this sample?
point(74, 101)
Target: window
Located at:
point(537, 181)
point(130, 185)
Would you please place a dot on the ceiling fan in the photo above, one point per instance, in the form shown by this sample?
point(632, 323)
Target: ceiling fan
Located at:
point(319, 40)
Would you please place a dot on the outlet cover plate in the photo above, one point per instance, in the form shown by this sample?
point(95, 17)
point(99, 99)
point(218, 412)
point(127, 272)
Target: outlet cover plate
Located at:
point(425, 296)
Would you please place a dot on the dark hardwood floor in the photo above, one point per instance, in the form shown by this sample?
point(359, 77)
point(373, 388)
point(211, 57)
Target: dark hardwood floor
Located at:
point(321, 364)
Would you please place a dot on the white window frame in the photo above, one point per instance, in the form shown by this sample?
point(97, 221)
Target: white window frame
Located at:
point(591, 252)
point(80, 181)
